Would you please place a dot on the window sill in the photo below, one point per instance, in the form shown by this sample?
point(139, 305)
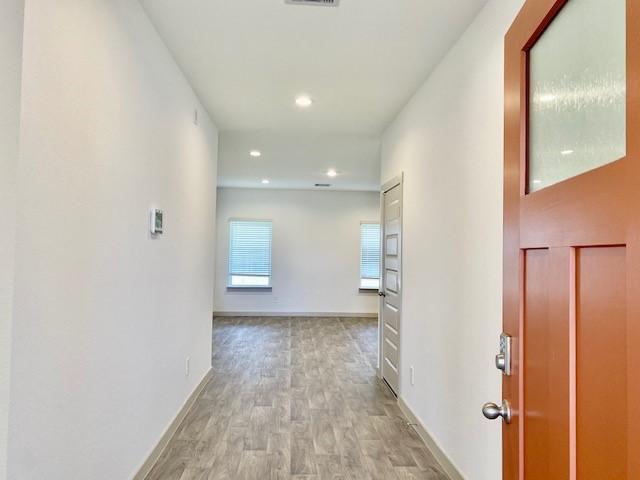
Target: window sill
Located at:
point(368, 290)
point(257, 288)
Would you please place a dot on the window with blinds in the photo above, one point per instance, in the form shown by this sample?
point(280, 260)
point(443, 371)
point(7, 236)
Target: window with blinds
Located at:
point(250, 253)
point(370, 255)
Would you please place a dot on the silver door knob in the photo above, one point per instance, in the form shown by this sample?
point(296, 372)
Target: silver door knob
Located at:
point(493, 411)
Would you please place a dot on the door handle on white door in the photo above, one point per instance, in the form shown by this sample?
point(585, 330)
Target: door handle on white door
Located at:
point(382, 294)
point(492, 411)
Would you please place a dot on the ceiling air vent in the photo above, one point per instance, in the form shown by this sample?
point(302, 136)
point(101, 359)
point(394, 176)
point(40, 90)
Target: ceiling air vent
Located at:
point(323, 185)
point(324, 3)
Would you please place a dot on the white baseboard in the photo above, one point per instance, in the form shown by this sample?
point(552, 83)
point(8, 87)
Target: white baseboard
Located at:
point(296, 314)
point(172, 429)
point(445, 462)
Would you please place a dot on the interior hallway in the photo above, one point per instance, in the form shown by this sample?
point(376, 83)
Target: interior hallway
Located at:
point(295, 398)
point(118, 113)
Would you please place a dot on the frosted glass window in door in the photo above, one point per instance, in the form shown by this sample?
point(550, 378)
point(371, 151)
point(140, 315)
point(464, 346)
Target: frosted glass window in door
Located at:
point(577, 92)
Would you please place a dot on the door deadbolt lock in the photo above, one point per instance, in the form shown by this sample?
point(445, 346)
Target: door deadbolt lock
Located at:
point(503, 359)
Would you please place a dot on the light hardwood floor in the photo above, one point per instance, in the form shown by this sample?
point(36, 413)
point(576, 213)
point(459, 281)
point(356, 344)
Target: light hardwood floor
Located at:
point(295, 398)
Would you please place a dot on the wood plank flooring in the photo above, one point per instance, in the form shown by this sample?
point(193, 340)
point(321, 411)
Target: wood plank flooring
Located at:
point(295, 398)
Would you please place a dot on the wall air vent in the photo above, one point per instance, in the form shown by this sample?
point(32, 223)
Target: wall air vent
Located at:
point(323, 185)
point(324, 3)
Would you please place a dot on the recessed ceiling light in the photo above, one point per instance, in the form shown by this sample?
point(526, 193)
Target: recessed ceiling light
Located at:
point(566, 152)
point(332, 173)
point(265, 181)
point(255, 153)
point(304, 101)
point(537, 182)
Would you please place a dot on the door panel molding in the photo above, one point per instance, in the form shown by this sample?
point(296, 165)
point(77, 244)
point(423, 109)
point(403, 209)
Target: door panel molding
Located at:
point(571, 265)
point(390, 308)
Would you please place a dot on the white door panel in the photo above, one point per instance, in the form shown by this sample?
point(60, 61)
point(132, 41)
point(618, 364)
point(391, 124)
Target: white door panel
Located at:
point(391, 285)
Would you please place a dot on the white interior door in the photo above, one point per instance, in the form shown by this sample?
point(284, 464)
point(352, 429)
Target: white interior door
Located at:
point(391, 283)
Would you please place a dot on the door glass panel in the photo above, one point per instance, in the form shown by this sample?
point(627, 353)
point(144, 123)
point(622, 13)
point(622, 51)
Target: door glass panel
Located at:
point(577, 92)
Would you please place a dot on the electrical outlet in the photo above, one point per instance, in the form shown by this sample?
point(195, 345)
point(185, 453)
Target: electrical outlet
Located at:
point(412, 375)
point(186, 366)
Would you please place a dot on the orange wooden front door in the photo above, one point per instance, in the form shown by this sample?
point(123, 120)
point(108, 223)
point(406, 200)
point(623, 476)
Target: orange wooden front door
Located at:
point(571, 259)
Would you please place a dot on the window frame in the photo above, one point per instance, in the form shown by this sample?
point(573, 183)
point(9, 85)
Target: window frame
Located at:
point(230, 285)
point(361, 288)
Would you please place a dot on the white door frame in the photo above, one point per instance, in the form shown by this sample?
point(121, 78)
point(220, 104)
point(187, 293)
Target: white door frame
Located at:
point(393, 182)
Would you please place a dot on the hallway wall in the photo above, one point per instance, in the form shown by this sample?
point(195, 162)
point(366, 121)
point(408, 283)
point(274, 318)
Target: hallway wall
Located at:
point(448, 141)
point(315, 252)
point(105, 316)
point(11, 23)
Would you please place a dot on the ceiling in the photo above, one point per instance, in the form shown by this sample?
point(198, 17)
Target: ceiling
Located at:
point(360, 62)
point(299, 161)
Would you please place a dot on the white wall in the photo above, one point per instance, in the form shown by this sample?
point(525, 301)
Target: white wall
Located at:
point(11, 22)
point(448, 141)
point(315, 251)
point(104, 315)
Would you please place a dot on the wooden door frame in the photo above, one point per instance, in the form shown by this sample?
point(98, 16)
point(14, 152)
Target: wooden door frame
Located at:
point(534, 17)
point(384, 188)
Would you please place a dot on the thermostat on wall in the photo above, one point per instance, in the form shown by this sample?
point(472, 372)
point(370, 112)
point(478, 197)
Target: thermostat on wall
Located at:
point(156, 221)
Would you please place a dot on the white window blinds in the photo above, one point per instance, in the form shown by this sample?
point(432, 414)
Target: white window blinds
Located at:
point(369, 255)
point(250, 253)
